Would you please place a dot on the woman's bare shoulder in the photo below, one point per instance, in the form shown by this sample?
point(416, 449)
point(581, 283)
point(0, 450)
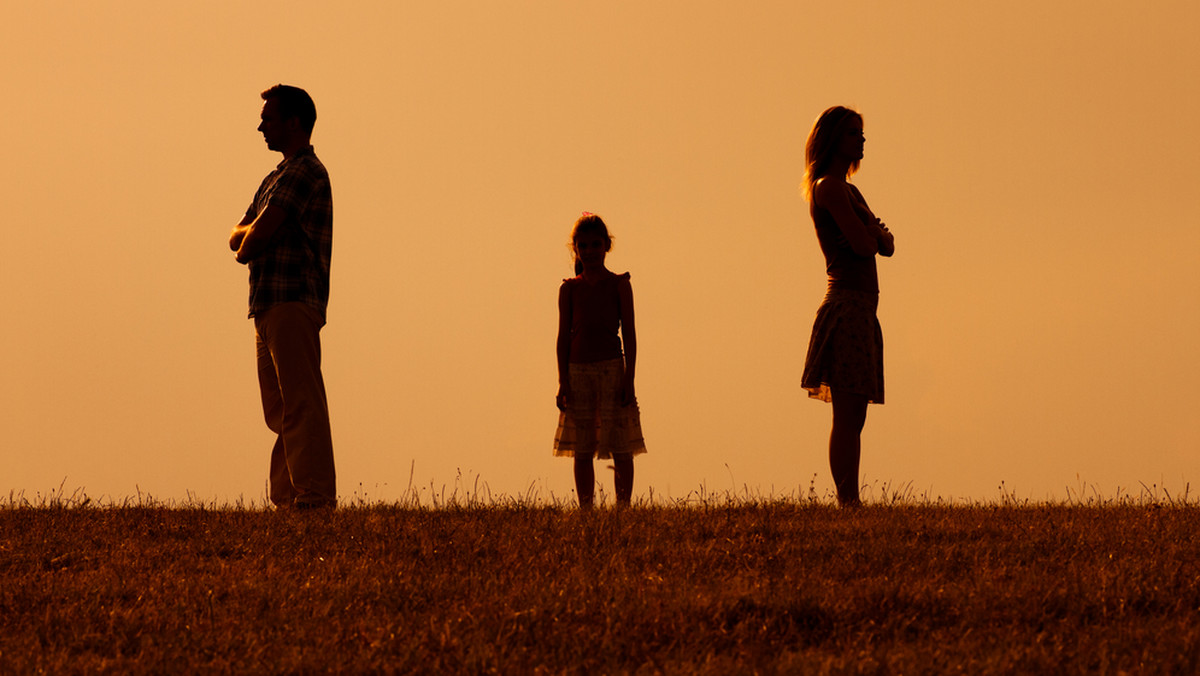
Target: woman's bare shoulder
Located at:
point(829, 188)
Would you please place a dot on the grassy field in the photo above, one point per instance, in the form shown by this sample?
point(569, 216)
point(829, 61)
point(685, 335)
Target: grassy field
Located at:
point(710, 587)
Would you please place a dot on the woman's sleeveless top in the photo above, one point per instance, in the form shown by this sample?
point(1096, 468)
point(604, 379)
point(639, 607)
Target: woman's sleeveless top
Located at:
point(846, 269)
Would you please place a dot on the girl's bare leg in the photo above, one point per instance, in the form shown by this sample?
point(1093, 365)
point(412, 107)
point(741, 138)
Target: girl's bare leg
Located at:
point(585, 479)
point(845, 445)
point(623, 466)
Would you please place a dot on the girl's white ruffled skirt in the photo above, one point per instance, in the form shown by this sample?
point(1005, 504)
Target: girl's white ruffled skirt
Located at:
point(595, 422)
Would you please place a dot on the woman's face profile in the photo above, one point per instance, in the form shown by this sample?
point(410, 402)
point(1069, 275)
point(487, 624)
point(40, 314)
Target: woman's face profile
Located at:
point(852, 141)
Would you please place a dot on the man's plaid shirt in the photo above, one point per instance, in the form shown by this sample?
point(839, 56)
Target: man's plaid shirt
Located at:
point(296, 265)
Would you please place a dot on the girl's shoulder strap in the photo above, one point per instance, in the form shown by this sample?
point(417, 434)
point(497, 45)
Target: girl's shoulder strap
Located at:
point(566, 290)
point(623, 287)
point(622, 283)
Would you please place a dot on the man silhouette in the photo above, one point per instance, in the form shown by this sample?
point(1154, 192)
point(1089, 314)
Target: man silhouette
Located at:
point(286, 239)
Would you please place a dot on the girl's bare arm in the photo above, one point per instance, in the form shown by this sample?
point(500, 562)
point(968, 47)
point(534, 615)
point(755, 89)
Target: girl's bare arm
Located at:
point(563, 346)
point(628, 340)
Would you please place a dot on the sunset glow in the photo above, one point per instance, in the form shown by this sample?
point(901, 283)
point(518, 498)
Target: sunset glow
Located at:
point(1037, 164)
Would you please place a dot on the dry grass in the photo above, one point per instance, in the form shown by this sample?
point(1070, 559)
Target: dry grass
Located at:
point(714, 586)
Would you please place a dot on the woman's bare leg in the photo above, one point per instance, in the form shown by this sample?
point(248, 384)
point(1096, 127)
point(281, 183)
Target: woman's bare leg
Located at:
point(845, 445)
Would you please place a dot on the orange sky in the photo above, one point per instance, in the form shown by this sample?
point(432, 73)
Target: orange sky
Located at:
point(1038, 165)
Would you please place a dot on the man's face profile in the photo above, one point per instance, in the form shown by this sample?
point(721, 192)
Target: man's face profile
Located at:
point(274, 127)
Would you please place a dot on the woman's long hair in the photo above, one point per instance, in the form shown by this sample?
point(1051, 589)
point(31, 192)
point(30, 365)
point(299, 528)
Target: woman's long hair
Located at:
point(822, 143)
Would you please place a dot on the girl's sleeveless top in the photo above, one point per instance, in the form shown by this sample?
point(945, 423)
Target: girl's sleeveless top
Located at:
point(595, 318)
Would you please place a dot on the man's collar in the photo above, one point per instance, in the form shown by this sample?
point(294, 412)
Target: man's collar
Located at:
point(307, 150)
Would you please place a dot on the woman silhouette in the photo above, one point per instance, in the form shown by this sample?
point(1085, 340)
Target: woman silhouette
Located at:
point(844, 365)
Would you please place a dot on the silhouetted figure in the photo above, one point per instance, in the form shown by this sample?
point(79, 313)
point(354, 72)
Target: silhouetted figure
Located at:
point(845, 354)
point(598, 408)
point(286, 239)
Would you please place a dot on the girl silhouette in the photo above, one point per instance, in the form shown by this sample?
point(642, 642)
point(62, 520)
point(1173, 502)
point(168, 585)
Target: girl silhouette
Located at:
point(845, 354)
point(598, 409)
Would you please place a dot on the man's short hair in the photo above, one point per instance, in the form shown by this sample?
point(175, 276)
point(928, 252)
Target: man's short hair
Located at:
point(294, 102)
